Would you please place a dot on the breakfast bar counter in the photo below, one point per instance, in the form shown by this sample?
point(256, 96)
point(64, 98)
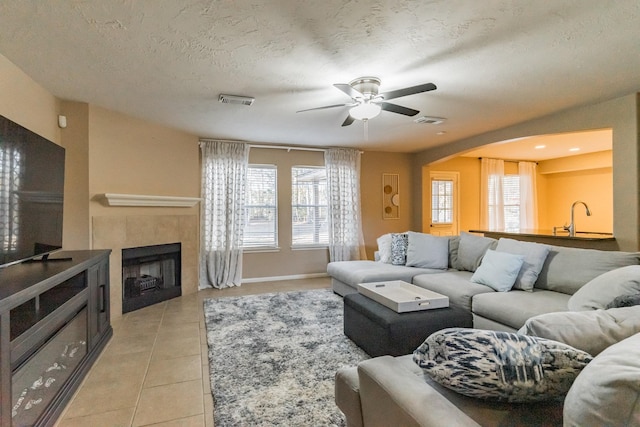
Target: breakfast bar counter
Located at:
point(589, 240)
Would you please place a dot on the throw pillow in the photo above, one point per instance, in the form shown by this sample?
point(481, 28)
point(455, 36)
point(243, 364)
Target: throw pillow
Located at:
point(427, 251)
point(534, 254)
point(498, 270)
point(591, 331)
point(384, 248)
point(500, 365)
point(399, 242)
point(607, 392)
point(600, 291)
point(471, 250)
point(454, 245)
point(624, 301)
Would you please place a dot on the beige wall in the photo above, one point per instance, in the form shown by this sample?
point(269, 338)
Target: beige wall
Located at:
point(27, 103)
point(373, 165)
point(622, 115)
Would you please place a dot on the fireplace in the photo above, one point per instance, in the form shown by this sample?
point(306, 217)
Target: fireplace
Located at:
point(150, 274)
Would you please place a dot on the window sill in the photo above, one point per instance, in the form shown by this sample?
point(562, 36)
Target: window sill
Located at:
point(260, 250)
point(309, 247)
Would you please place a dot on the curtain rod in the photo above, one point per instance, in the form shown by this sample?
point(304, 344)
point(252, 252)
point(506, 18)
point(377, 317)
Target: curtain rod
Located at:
point(275, 147)
point(512, 161)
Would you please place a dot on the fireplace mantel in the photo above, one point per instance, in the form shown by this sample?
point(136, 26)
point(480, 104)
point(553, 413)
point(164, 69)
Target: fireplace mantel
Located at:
point(148, 200)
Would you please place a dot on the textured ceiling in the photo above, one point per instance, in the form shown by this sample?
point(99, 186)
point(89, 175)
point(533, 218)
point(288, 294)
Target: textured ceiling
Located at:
point(495, 62)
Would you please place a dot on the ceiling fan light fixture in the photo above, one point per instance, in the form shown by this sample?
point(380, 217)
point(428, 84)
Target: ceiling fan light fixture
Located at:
point(365, 111)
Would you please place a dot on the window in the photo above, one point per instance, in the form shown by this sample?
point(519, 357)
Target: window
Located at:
point(510, 200)
point(511, 189)
point(309, 206)
point(261, 209)
point(11, 171)
point(441, 201)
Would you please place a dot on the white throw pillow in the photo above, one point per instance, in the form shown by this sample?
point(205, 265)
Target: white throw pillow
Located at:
point(427, 251)
point(600, 291)
point(498, 270)
point(384, 248)
point(607, 391)
point(534, 254)
point(591, 331)
point(471, 250)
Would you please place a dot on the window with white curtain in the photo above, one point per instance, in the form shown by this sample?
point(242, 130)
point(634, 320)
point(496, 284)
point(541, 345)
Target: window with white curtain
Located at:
point(511, 191)
point(309, 206)
point(261, 207)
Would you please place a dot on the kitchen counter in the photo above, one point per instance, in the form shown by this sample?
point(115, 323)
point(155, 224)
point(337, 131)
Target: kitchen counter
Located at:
point(590, 240)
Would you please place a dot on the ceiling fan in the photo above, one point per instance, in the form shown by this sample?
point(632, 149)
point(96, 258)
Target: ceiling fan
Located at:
point(367, 102)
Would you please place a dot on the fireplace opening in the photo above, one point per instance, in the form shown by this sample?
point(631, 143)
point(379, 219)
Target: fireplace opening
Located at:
point(150, 274)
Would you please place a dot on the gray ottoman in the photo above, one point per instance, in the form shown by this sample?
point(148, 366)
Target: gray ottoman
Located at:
point(379, 331)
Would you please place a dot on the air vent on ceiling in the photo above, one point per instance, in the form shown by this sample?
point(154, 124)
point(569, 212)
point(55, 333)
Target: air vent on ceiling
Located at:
point(235, 99)
point(429, 120)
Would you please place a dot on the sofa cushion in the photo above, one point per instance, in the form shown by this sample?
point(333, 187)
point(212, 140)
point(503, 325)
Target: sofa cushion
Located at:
point(454, 284)
point(600, 291)
point(471, 250)
point(607, 392)
point(590, 331)
point(365, 271)
point(500, 365)
point(498, 270)
point(427, 251)
point(567, 269)
point(399, 243)
point(384, 248)
point(534, 256)
point(515, 307)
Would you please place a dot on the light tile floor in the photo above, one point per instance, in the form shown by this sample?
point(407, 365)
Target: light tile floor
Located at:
point(154, 371)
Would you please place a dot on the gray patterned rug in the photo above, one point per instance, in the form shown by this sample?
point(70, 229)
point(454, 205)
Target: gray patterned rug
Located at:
point(273, 357)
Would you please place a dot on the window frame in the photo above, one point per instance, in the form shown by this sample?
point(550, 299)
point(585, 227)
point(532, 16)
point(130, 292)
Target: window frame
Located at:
point(270, 246)
point(318, 242)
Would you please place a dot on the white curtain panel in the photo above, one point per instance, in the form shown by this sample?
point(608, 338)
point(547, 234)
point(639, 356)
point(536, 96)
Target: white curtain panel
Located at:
point(224, 177)
point(346, 241)
point(491, 194)
point(528, 196)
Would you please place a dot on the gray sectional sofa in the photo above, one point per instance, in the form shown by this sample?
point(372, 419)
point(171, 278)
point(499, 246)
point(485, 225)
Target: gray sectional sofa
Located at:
point(563, 271)
point(568, 300)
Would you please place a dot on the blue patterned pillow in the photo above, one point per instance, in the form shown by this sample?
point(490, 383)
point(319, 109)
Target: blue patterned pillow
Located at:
point(399, 244)
point(500, 365)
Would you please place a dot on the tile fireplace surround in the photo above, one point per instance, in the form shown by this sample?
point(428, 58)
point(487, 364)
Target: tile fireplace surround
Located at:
point(120, 232)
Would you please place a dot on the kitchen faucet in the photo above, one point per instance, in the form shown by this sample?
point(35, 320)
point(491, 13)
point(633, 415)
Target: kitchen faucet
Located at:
point(571, 228)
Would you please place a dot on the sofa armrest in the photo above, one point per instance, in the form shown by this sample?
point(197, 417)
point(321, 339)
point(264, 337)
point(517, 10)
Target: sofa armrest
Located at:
point(392, 394)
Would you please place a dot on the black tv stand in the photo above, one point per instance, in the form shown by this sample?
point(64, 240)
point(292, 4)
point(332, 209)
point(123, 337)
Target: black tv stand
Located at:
point(45, 258)
point(56, 313)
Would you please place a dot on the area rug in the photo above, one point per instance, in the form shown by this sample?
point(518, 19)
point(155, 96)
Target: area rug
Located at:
point(273, 358)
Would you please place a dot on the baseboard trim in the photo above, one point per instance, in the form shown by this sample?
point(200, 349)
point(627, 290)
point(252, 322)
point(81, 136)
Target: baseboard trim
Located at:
point(279, 278)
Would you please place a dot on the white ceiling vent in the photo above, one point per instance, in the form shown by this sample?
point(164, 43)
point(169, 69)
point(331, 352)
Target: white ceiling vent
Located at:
point(429, 120)
point(234, 99)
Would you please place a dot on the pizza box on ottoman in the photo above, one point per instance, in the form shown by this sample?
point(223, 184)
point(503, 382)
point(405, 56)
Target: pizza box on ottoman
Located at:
point(402, 297)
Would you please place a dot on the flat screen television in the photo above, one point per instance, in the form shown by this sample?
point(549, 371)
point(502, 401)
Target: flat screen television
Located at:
point(31, 194)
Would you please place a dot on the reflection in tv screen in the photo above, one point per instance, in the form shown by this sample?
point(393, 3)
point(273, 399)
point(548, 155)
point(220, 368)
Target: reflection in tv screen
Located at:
point(31, 193)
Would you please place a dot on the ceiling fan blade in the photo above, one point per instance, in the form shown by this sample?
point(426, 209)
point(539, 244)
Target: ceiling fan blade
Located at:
point(349, 90)
point(395, 108)
point(348, 120)
point(408, 91)
point(325, 107)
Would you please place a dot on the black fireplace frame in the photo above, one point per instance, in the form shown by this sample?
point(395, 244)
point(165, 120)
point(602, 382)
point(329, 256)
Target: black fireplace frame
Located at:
point(147, 254)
